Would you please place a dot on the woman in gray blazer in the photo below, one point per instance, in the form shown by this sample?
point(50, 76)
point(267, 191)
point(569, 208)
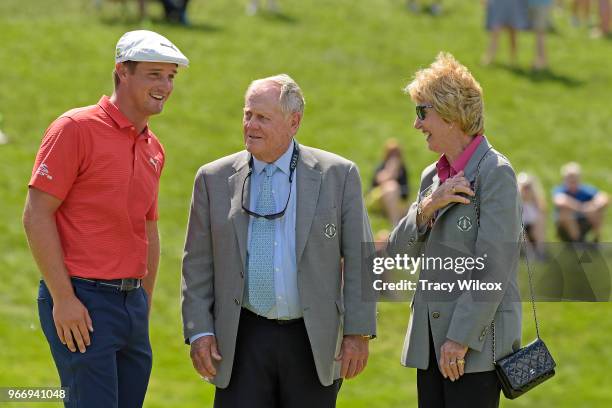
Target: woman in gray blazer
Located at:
point(465, 226)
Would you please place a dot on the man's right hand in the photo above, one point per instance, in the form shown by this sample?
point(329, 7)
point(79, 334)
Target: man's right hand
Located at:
point(203, 351)
point(72, 323)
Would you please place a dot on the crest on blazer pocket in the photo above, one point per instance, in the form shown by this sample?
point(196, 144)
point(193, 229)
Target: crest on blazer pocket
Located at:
point(464, 223)
point(330, 230)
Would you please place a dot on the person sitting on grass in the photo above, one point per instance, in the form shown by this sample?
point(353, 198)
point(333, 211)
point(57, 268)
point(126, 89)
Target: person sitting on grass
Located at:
point(579, 208)
point(390, 187)
point(534, 212)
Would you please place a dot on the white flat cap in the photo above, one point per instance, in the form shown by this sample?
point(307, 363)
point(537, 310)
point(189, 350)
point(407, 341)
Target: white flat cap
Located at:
point(147, 46)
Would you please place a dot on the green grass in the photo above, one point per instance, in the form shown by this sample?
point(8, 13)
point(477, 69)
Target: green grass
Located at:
point(352, 59)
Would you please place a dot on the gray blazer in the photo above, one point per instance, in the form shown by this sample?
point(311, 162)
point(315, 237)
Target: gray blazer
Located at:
point(464, 315)
point(329, 266)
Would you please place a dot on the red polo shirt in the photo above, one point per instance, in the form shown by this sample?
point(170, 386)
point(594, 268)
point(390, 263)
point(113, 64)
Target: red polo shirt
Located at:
point(107, 177)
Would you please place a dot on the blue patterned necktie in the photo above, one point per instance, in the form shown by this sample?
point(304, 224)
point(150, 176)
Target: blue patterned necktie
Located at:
point(261, 249)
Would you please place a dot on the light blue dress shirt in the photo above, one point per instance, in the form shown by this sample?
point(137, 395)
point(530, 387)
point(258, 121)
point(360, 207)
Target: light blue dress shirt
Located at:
point(288, 305)
point(285, 268)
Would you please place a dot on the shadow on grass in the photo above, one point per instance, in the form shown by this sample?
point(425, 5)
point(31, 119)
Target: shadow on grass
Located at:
point(540, 76)
point(277, 17)
point(132, 22)
point(429, 10)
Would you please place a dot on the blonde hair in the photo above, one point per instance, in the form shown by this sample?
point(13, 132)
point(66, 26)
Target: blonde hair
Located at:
point(392, 147)
point(453, 92)
point(527, 180)
point(571, 169)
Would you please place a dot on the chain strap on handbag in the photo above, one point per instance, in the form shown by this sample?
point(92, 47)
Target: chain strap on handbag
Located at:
point(533, 364)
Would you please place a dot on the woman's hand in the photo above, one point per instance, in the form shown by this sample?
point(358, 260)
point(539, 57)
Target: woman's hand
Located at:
point(448, 192)
point(452, 359)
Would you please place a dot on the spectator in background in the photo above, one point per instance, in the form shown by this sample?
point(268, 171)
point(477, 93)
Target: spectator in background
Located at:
point(539, 19)
point(3, 137)
point(253, 7)
point(504, 14)
point(176, 11)
point(435, 8)
point(142, 7)
point(604, 20)
point(534, 211)
point(579, 208)
point(581, 12)
point(390, 184)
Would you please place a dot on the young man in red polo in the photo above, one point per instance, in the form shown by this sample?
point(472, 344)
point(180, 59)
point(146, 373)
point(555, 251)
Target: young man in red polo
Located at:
point(91, 221)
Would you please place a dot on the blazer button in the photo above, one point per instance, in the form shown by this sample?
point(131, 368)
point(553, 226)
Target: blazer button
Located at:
point(435, 315)
point(237, 301)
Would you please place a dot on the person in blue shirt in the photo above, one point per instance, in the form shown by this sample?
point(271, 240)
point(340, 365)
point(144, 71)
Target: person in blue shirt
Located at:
point(579, 208)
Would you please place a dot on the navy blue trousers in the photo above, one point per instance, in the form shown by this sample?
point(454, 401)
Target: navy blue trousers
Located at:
point(114, 371)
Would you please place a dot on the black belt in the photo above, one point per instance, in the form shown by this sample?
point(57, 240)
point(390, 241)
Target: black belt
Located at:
point(124, 285)
point(280, 322)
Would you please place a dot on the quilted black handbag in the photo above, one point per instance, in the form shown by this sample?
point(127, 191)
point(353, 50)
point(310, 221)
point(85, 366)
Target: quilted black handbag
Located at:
point(531, 365)
point(521, 371)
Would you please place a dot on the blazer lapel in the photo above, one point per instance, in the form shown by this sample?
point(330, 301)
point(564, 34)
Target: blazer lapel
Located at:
point(470, 168)
point(427, 191)
point(308, 184)
point(239, 218)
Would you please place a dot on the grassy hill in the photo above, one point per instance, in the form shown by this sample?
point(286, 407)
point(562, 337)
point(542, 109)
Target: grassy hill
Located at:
point(352, 59)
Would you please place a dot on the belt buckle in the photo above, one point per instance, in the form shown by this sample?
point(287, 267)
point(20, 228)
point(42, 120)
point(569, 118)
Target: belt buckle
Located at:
point(129, 284)
point(124, 286)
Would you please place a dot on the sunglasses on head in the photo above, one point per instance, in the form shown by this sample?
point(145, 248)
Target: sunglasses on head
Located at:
point(420, 111)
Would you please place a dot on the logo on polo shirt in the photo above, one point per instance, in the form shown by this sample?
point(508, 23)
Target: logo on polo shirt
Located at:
point(43, 170)
point(155, 162)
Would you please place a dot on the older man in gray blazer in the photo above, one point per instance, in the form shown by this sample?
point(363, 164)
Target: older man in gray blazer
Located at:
point(272, 302)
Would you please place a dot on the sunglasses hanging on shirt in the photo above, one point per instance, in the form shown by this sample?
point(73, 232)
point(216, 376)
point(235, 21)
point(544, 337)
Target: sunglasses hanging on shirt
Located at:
point(292, 166)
